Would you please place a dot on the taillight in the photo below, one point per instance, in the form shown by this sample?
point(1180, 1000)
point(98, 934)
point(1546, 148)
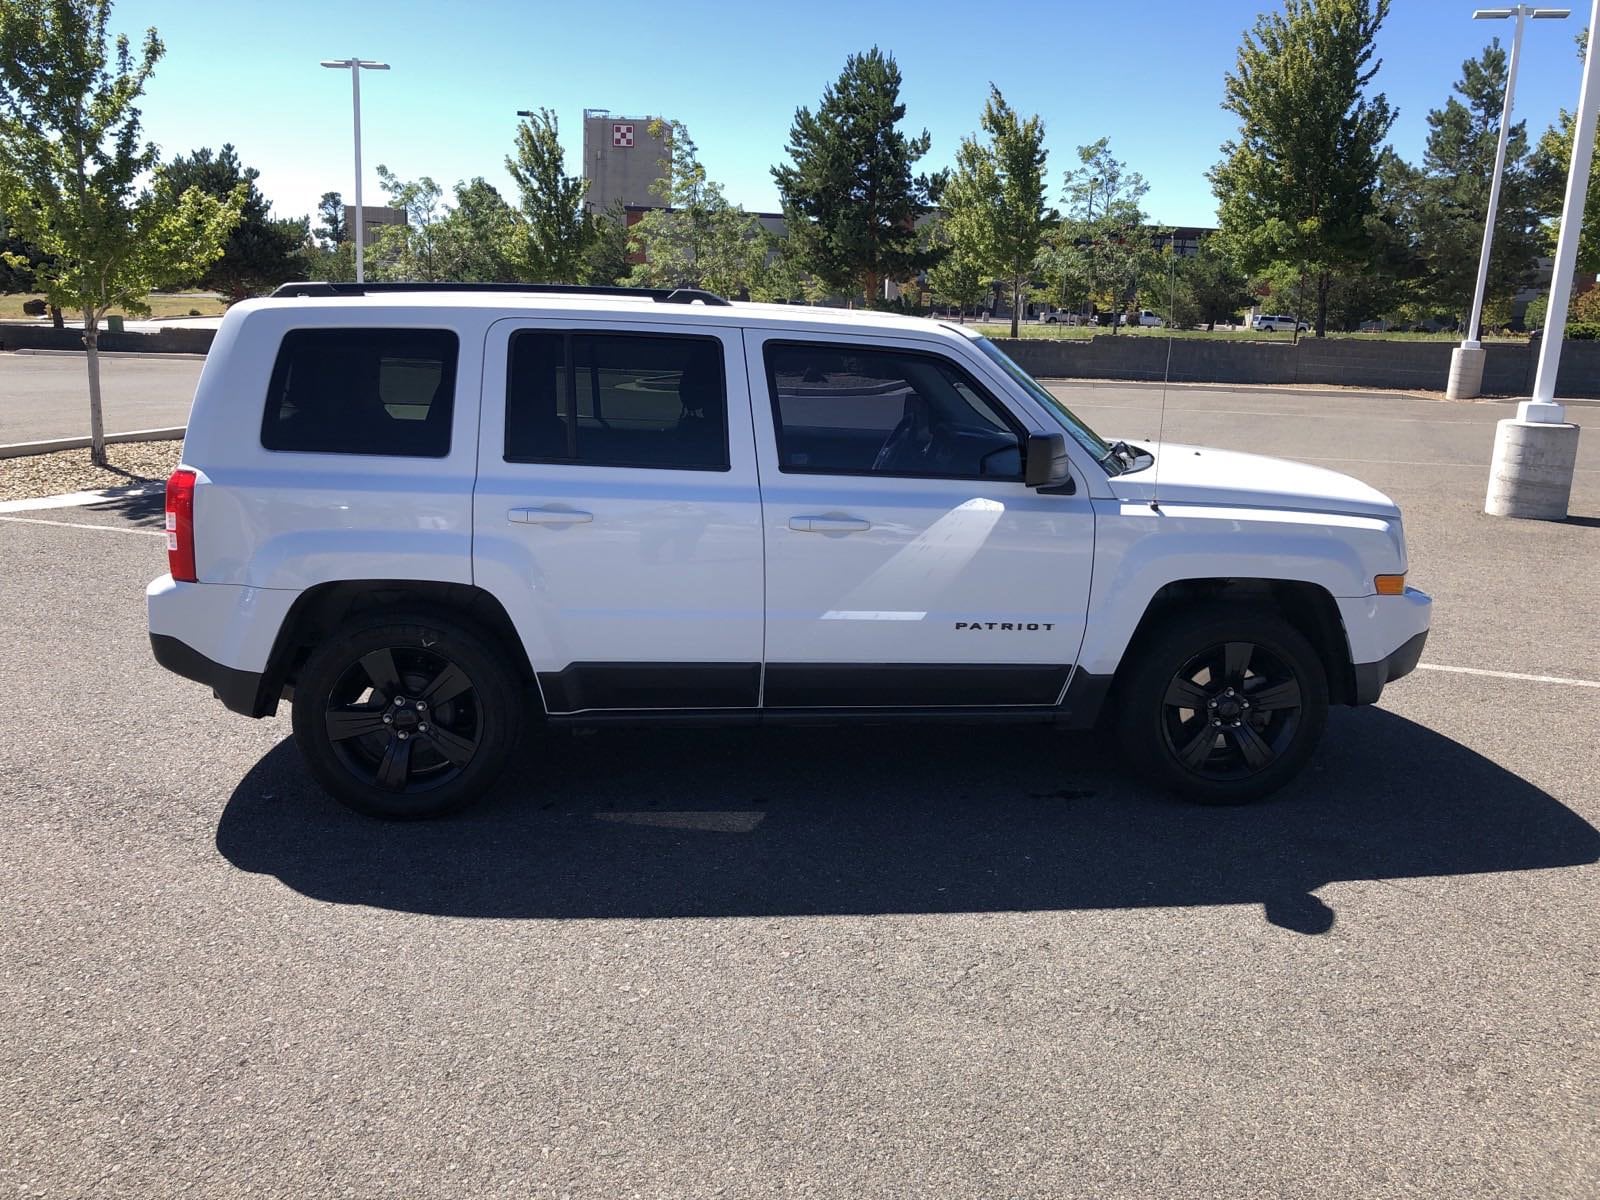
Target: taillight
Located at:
point(180, 526)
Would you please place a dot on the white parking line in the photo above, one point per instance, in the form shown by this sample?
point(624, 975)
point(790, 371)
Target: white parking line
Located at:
point(1589, 683)
point(85, 525)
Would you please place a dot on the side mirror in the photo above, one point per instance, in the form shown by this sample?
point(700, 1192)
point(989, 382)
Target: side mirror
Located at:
point(1046, 463)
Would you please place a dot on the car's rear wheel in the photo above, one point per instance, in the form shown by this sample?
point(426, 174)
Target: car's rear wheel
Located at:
point(1224, 705)
point(406, 717)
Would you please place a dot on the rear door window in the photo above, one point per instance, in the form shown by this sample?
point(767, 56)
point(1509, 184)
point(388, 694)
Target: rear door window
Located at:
point(617, 400)
point(362, 391)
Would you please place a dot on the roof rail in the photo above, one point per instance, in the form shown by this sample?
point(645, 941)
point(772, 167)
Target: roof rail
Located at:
point(659, 295)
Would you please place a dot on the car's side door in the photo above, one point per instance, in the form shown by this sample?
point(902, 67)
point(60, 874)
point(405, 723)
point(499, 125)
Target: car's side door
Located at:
point(616, 513)
point(907, 563)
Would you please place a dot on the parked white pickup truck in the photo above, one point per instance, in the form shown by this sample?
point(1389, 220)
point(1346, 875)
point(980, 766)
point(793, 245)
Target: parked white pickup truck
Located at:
point(428, 514)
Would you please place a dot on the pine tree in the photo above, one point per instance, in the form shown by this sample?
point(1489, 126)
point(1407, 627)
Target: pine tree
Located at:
point(849, 196)
point(1452, 194)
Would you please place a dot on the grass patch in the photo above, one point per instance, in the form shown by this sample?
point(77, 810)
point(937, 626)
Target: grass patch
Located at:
point(161, 305)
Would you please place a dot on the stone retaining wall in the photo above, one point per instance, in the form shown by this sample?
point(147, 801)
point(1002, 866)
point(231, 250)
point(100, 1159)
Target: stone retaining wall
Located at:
point(1346, 362)
point(177, 340)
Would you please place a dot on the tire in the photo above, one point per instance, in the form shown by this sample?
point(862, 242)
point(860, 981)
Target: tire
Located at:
point(1270, 696)
point(407, 716)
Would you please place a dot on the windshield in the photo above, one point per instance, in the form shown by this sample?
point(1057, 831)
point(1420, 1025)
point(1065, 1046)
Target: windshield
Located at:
point(1064, 416)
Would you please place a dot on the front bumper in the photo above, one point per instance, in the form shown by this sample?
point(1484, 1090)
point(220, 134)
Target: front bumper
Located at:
point(1370, 677)
point(1386, 636)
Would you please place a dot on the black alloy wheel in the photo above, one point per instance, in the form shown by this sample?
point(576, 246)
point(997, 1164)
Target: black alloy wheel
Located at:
point(1231, 710)
point(404, 719)
point(1223, 704)
point(407, 716)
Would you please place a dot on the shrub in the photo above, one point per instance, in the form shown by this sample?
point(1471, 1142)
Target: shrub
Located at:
point(34, 307)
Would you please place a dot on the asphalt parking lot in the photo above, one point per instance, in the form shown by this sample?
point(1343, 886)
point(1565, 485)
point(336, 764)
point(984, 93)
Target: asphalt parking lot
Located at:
point(844, 964)
point(45, 396)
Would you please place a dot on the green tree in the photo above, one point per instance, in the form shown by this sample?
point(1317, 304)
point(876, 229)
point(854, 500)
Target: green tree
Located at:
point(18, 258)
point(849, 196)
point(330, 218)
point(479, 239)
point(410, 252)
point(556, 229)
point(71, 164)
point(605, 259)
point(698, 240)
point(261, 252)
point(1217, 288)
point(995, 198)
point(1548, 167)
point(1104, 241)
point(960, 277)
point(1296, 186)
point(1452, 194)
point(334, 264)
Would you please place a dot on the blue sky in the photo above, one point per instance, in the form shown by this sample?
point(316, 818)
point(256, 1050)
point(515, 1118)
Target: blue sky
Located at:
point(1148, 74)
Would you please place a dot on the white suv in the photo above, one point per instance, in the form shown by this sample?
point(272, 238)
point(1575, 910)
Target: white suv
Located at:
point(1277, 323)
point(424, 514)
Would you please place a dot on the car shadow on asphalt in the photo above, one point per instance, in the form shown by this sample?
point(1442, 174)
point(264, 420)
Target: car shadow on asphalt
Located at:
point(148, 510)
point(710, 823)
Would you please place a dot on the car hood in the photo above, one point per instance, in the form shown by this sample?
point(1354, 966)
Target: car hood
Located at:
point(1200, 475)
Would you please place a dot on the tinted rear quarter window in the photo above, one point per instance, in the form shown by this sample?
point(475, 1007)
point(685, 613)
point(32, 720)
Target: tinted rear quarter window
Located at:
point(362, 391)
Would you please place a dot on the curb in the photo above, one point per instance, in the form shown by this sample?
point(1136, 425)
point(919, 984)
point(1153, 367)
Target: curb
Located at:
point(23, 449)
point(159, 354)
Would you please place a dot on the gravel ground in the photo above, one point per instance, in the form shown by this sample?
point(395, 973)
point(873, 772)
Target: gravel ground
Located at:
point(71, 470)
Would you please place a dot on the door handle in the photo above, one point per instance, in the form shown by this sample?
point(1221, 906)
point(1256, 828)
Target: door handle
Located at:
point(828, 524)
point(549, 516)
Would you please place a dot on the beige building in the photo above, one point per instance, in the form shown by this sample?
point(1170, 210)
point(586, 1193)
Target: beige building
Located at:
point(373, 217)
point(621, 159)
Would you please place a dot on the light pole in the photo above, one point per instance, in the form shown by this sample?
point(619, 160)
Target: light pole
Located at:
point(1530, 474)
point(355, 66)
point(1466, 361)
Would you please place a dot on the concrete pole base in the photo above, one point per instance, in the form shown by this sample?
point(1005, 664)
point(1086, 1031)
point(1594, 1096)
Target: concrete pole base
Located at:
point(1531, 472)
point(1466, 373)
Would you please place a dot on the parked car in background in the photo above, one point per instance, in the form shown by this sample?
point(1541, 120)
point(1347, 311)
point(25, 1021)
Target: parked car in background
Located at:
point(1147, 318)
point(1064, 318)
point(1276, 323)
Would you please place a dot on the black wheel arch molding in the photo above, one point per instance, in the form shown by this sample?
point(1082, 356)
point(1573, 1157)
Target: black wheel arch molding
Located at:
point(1309, 607)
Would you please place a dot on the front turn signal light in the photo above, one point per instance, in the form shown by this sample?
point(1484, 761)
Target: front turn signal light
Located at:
point(1390, 585)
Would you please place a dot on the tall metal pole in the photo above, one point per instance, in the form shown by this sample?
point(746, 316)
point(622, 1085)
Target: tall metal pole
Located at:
point(1494, 185)
point(355, 100)
point(1543, 406)
point(355, 66)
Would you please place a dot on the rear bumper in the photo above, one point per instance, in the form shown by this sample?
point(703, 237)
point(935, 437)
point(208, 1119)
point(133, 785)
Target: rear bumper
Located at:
point(238, 690)
point(221, 635)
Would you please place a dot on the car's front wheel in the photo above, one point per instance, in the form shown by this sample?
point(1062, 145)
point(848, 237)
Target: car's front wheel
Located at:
point(1224, 705)
point(406, 716)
